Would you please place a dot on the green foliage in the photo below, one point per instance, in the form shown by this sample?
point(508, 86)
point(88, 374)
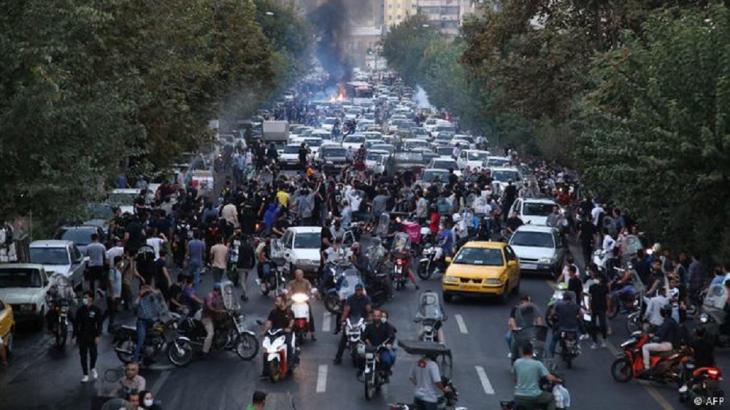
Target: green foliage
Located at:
point(91, 88)
point(405, 45)
point(655, 133)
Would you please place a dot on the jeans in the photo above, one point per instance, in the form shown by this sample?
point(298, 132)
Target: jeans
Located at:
point(194, 267)
point(88, 352)
point(209, 333)
point(217, 274)
point(556, 337)
point(142, 325)
point(508, 338)
point(544, 398)
point(424, 405)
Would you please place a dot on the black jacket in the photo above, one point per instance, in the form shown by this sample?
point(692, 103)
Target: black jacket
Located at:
point(88, 323)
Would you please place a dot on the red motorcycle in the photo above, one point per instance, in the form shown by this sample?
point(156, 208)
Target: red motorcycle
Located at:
point(665, 366)
point(701, 385)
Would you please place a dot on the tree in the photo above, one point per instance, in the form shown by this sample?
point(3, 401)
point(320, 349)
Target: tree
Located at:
point(655, 132)
point(405, 44)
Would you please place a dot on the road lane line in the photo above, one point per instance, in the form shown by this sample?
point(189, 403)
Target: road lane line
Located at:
point(157, 387)
point(322, 378)
point(485, 380)
point(462, 325)
point(326, 318)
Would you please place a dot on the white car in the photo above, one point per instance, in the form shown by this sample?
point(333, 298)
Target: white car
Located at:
point(24, 286)
point(415, 144)
point(123, 198)
point(502, 176)
point(472, 158)
point(533, 211)
point(496, 161)
point(313, 143)
point(299, 248)
point(290, 156)
point(539, 249)
point(58, 256)
point(445, 163)
point(376, 161)
point(353, 141)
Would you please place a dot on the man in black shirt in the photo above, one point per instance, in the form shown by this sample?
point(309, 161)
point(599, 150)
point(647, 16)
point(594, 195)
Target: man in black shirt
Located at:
point(358, 306)
point(599, 305)
point(666, 336)
point(87, 332)
point(574, 283)
point(513, 222)
point(377, 333)
point(281, 317)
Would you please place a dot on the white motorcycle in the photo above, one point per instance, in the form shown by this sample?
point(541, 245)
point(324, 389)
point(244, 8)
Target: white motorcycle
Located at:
point(300, 308)
point(276, 361)
point(353, 331)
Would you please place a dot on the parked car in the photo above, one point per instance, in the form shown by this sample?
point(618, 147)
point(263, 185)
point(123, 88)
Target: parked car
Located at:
point(539, 249)
point(59, 256)
point(24, 287)
point(7, 325)
point(80, 235)
point(299, 248)
point(534, 211)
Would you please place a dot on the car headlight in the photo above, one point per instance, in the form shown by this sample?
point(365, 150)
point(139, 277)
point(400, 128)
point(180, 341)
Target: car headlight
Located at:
point(545, 260)
point(493, 281)
point(451, 279)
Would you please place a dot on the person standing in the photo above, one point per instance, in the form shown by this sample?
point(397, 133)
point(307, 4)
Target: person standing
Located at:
point(213, 309)
point(162, 275)
point(194, 255)
point(114, 293)
point(598, 305)
point(97, 255)
point(87, 332)
point(218, 259)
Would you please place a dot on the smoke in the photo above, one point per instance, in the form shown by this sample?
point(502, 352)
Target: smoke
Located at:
point(332, 21)
point(421, 98)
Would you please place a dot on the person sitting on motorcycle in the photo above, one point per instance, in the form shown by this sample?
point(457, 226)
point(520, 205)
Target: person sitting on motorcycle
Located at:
point(131, 381)
point(666, 336)
point(621, 288)
point(263, 256)
point(213, 309)
point(357, 305)
point(657, 278)
point(335, 253)
point(567, 318)
point(654, 306)
point(528, 373)
point(426, 376)
point(301, 285)
point(512, 223)
point(377, 333)
point(281, 317)
point(523, 316)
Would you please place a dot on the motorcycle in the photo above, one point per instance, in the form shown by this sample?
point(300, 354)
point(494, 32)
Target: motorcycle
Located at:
point(400, 272)
point(161, 338)
point(431, 316)
point(713, 315)
point(401, 251)
point(428, 264)
point(300, 307)
point(272, 278)
point(569, 348)
point(665, 366)
point(353, 331)
point(230, 334)
point(276, 361)
point(58, 326)
point(700, 385)
point(339, 284)
point(373, 377)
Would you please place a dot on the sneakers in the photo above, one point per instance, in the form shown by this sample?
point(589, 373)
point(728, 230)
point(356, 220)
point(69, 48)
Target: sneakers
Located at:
point(594, 346)
point(94, 374)
point(85, 379)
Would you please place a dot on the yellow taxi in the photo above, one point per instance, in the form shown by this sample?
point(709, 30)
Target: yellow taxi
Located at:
point(7, 325)
point(482, 268)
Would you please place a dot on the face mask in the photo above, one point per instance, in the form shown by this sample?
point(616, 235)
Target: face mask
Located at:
point(383, 319)
point(148, 402)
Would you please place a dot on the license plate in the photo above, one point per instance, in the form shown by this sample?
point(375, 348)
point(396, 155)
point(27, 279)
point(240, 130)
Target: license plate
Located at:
point(470, 287)
point(528, 266)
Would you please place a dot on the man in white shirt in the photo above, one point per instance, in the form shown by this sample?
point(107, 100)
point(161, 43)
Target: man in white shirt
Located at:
point(608, 244)
point(596, 214)
point(653, 307)
point(156, 243)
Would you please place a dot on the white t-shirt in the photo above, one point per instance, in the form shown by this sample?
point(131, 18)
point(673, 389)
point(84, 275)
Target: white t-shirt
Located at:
point(596, 213)
point(426, 376)
point(112, 253)
point(608, 244)
point(156, 244)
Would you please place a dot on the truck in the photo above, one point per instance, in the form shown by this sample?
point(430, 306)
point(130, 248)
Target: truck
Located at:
point(276, 132)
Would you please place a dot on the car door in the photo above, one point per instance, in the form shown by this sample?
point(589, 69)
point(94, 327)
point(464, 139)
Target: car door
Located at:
point(516, 207)
point(513, 268)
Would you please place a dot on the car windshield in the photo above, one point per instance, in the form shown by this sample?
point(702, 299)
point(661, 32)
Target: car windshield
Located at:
point(334, 152)
point(479, 256)
point(291, 149)
point(504, 176)
point(533, 239)
point(477, 156)
point(79, 236)
point(20, 278)
point(49, 256)
point(354, 139)
point(99, 211)
point(409, 157)
point(431, 176)
point(374, 157)
point(314, 142)
point(498, 162)
point(307, 240)
point(444, 164)
point(537, 209)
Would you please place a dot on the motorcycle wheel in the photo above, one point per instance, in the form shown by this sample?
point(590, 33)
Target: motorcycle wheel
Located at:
point(125, 350)
point(369, 389)
point(332, 303)
point(425, 271)
point(180, 353)
point(61, 334)
point(621, 370)
point(274, 374)
point(247, 346)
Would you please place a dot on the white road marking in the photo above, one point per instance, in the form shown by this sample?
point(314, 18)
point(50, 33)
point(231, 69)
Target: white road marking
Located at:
point(326, 319)
point(157, 387)
point(322, 378)
point(486, 385)
point(462, 325)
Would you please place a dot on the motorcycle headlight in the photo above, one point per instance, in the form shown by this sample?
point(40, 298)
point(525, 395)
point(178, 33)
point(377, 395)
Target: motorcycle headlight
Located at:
point(299, 298)
point(369, 355)
point(427, 328)
point(704, 318)
point(451, 279)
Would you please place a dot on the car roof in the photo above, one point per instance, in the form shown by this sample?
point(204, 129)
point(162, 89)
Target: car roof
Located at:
point(536, 228)
point(21, 266)
point(305, 229)
point(485, 244)
point(504, 169)
point(539, 200)
point(50, 243)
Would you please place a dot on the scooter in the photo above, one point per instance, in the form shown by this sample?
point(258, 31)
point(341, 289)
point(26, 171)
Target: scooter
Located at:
point(700, 383)
point(277, 364)
point(300, 308)
point(665, 366)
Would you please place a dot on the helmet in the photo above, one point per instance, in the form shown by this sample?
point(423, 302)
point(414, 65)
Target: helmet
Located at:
point(456, 218)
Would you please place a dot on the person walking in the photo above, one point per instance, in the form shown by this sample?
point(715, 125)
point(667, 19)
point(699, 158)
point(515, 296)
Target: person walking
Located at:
point(87, 332)
point(219, 259)
point(194, 256)
point(97, 256)
point(599, 305)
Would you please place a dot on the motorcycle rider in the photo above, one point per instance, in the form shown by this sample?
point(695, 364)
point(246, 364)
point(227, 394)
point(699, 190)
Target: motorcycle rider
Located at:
point(567, 314)
point(148, 310)
point(666, 336)
point(654, 306)
point(528, 373)
point(379, 332)
point(301, 285)
point(213, 309)
point(523, 316)
point(357, 305)
point(281, 317)
point(425, 375)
